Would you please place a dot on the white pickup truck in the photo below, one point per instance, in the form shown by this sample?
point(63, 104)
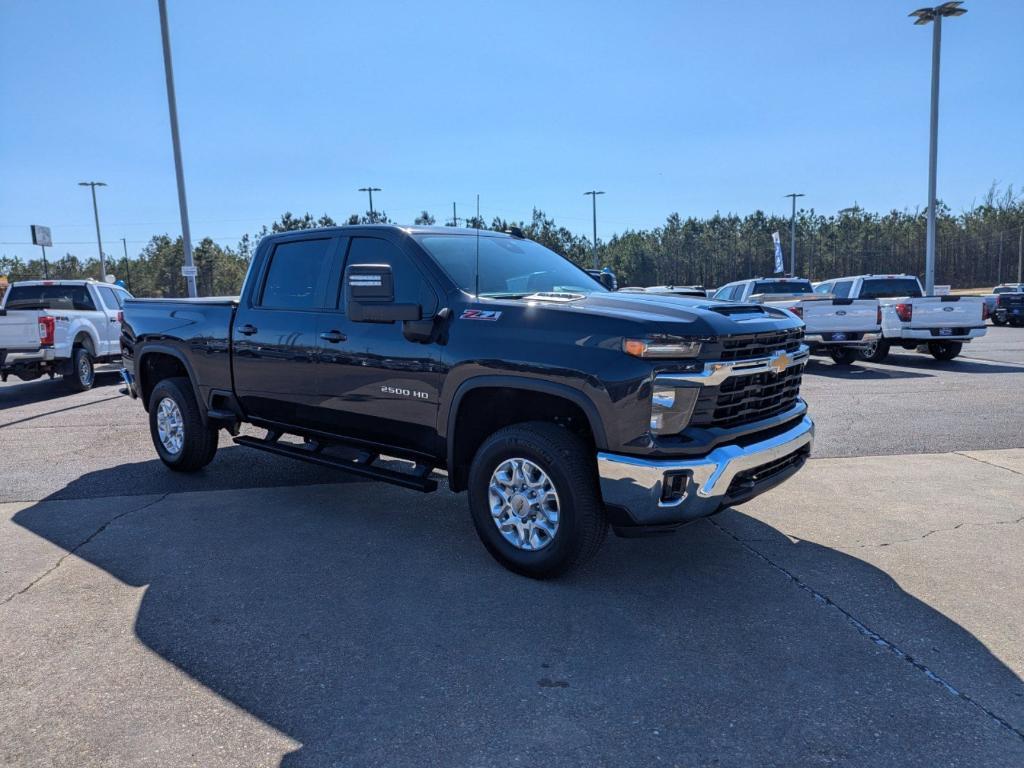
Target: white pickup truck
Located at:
point(940, 324)
point(50, 327)
point(839, 327)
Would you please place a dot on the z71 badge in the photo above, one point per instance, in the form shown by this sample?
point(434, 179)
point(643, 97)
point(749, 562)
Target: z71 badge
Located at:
point(479, 314)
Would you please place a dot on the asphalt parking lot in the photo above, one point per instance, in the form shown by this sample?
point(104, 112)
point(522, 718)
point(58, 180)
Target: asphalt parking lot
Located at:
point(264, 612)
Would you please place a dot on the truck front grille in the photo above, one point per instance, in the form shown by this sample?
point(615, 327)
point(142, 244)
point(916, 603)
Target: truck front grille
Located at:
point(760, 344)
point(746, 399)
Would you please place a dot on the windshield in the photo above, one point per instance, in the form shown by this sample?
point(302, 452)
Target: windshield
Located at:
point(509, 267)
point(34, 297)
point(891, 288)
point(782, 286)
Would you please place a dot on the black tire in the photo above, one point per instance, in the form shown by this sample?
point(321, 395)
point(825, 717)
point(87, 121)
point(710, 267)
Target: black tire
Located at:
point(877, 352)
point(944, 350)
point(569, 464)
point(82, 373)
point(996, 321)
point(198, 440)
point(843, 355)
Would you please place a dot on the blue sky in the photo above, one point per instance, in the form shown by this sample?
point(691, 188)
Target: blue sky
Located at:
point(693, 107)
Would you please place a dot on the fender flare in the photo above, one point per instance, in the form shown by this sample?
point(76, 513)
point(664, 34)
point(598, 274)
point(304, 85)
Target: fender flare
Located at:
point(166, 349)
point(447, 418)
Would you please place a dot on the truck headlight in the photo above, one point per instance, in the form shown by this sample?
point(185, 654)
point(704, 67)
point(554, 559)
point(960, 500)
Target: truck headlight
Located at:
point(665, 347)
point(671, 409)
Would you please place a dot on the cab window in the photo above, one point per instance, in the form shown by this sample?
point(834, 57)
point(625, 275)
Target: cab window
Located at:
point(841, 289)
point(295, 275)
point(410, 285)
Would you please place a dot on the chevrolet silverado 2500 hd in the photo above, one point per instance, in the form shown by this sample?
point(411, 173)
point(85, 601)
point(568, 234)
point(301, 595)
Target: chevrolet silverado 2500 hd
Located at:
point(558, 405)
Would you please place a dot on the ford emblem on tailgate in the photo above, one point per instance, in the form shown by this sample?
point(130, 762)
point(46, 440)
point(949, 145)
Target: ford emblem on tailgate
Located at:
point(840, 312)
point(947, 309)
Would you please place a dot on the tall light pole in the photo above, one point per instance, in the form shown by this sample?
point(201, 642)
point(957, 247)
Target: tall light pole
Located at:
point(370, 191)
point(924, 16)
point(593, 199)
point(172, 106)
point(96, 215)
point(792, 233)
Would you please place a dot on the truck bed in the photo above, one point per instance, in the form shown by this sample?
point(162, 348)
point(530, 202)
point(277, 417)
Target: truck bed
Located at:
point(197, 331)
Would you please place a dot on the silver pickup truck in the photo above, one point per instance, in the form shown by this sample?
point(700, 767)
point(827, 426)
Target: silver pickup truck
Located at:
point(65, 327)
point(940, 325)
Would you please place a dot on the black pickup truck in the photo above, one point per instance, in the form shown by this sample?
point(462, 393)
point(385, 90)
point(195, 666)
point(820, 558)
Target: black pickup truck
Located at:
point(560, 406)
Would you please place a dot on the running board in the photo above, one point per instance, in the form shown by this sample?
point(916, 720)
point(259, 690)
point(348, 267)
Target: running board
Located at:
point(418, 480)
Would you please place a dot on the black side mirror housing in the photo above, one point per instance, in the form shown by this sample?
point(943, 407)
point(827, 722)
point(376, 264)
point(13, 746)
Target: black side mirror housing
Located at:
point(370, 296)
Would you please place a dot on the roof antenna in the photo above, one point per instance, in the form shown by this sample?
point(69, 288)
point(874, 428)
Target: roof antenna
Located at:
point(477, 222)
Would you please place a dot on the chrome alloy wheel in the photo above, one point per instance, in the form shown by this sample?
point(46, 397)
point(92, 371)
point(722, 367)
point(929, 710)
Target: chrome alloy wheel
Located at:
point(85, 372)
point(170, 426)
point(524, 504)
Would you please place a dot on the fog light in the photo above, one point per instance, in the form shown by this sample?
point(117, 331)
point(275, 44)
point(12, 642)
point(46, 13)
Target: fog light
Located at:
point(671, 409)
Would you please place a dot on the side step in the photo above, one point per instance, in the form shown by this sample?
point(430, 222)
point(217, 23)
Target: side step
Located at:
point(418, 480)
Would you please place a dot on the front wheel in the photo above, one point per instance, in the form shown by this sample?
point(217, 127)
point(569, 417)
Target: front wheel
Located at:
point(81, 374)
point(534, 498)
point(843, 355)
point(876, 352)
point(182, 440)
point(944, 350)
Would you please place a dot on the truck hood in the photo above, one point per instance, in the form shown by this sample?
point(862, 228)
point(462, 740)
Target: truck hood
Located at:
point(674, 314)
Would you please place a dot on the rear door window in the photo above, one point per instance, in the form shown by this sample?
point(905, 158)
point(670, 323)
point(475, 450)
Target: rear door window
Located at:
point(109, 297)
point(296, 276)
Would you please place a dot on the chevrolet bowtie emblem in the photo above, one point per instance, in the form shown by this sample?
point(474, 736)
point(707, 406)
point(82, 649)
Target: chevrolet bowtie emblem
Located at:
point(779, 362)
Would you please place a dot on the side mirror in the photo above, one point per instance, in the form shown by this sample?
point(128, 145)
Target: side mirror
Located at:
point(370, 296)
point(607, 279)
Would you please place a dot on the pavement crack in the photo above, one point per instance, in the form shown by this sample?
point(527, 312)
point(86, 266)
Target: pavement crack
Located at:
point(925, 535)
point(872, 635)
point(982, 461)
point(78, 546)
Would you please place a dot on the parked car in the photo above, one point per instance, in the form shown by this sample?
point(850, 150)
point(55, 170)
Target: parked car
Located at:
point(1007, 304)
point(558, 405)
point(838, 327)
point(698, 291)
point(940, 324)
point(50, 327)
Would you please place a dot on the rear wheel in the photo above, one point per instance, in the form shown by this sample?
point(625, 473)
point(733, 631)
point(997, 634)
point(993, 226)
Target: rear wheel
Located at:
point(996, 320)
point(534, 498)
point(843, 355)
point(82, 374)
point(944, 350)
point(876, 352)
point(180, 437)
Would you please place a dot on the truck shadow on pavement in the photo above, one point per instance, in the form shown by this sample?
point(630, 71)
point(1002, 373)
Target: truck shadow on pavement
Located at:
point(370, 625)
point(16, 393)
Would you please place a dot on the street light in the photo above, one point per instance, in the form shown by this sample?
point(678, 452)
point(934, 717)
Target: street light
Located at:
point(924, 16)
point(96, 215)
point(792, 233)
point(370, 191)
point(189, 270)
point(593, 198)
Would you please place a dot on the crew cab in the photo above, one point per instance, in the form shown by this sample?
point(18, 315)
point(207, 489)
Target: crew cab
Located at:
point(558, 405)
point(66, 327)
point(836, 326)
point(939, 324)
point(1009, 304)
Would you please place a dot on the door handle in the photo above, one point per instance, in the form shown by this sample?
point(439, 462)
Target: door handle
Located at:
point(333, 336)
point(248, 329)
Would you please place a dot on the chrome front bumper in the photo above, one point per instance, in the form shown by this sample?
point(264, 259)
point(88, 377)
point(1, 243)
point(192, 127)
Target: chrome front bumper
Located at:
point(636, 484)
